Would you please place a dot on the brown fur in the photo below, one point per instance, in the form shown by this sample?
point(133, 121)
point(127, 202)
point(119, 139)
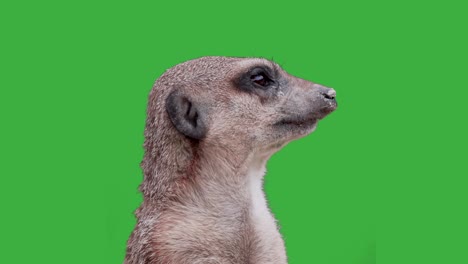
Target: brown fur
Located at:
point(203, 201)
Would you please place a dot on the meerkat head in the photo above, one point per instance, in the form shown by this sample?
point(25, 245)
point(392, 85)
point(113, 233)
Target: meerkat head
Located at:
point(242, 104)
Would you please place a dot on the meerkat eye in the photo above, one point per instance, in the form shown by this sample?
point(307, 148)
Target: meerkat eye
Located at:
point(260, 79)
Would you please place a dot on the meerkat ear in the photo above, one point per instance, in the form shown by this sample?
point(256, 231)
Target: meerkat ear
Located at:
point(185, 116)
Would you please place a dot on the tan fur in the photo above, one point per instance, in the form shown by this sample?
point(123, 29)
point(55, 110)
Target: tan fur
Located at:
point(203, 199)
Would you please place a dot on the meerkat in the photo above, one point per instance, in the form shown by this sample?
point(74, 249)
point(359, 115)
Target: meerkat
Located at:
point(212, 124)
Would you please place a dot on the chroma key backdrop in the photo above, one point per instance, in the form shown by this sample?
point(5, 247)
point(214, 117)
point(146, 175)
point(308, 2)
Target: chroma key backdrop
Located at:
point(74, 87)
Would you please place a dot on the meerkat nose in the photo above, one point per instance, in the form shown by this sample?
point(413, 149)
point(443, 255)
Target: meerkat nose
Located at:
point(330, 93)
point(327, 93)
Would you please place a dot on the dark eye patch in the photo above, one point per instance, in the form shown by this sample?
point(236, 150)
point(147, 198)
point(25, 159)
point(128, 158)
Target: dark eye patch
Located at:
point(260, 80)
point(256, 77)
point(261, 75)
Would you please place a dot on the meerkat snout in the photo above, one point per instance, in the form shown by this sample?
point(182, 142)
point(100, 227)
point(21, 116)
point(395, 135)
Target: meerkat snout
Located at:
point(328, 103)
point(212, 124)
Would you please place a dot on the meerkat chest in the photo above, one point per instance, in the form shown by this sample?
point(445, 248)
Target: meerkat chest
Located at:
point(259, 213)
point(224, 232)
point(263, 222)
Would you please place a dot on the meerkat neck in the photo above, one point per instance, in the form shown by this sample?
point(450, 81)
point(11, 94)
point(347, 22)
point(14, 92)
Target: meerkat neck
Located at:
point(241, 188)
point(219, 174)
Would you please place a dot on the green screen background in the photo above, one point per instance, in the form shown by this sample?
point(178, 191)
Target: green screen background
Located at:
point(74, 85)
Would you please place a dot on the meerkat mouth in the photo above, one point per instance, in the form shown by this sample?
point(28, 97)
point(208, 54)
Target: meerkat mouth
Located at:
point(298, 121)
point(307, 120)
